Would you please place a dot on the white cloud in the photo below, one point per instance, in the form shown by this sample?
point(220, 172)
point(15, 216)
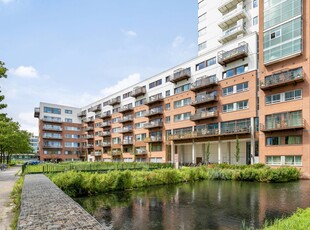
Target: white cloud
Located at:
point(130, 33)
point(178, 40)
point(6, 1)
point(122, 84)
point(25, 72)
point(28, 122)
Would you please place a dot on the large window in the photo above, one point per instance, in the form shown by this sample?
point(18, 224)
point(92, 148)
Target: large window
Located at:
point(155, 83)
point(240, 105)
point(181, 103)
point(283, 97)
point(140, 137)
point(140, 102)
point(182, 117)
point(52, 110)
point(235, 71)
point(182, 88)
point(288, 119)
point(235, 89)
point(284, 160)
point(206, 63)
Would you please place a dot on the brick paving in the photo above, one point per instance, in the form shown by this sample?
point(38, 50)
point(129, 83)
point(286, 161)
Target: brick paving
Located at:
point(45, 206)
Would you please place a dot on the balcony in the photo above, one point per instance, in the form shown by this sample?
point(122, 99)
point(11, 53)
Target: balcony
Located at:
point(90, 146)
point(114, 101)
point(233, 16)
point(125, 109)
point(153, 139)
point(58, 129)
point(37, 112)
point(52, 120)
point(289, 77)
point(153, 124)
point(180, 74)
point(116, 152)
point(105, 115)
point(154, 99)
point(140, 152)
point(52, 137)
point(204, 99)
point(153, 112)
point(127, 142)
point(204, 115)
point(195, 135)
point(88, 120)
point(89, 136)
point(95, 108)
point(82, 114)
point(97, 153)
point(228, 5)
point(235, 130)
point(203, 82)
point(126, 130)
point(232, 55)
point(105, 124)
point(105, 134)
point(287, 125)
point(89, 128)
point(106, 144)
point(47, 146)
point(232, 33)
point(126, 119)
point(138, 91)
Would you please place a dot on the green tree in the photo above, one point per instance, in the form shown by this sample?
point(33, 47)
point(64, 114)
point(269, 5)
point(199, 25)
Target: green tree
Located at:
point(237, 155)
point(2, 75)
point(207, 152)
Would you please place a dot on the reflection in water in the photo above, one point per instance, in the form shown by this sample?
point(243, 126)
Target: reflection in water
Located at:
point(201, 205)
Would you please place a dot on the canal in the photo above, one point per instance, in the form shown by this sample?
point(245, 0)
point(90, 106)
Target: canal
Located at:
point(200, 205)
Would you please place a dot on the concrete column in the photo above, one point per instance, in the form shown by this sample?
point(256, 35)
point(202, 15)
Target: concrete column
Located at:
point(172, 151)
point(193, 152)
point(219, 152)
point(252, 140)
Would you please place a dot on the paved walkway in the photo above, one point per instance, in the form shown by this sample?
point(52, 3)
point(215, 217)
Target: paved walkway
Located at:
point(7, 181)
point(45, 206)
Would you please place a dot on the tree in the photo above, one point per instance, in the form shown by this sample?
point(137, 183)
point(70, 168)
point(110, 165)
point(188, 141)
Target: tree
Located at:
point(207, 152)
point(2, 75)
point(237, 155)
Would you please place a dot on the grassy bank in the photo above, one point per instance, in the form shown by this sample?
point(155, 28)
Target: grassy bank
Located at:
point(84, 183)
point(299, 221)
point(16, 197)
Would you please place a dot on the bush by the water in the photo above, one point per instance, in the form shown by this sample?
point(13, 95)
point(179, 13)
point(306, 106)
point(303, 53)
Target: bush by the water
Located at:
point(82, 183)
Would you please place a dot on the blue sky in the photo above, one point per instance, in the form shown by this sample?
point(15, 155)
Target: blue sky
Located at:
point(73, 52)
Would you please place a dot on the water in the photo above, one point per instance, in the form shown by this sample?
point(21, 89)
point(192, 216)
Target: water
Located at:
point(200, 205)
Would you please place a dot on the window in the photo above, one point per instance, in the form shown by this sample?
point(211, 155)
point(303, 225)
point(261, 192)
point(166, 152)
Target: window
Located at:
point(115, 110)
point(140, 102)
point(255, 3)
point(72, 136)
point(201, 65)
point(255, 20)
point(72, 144)
point(52, 110)
point(284, 160)
point(140, 113)
point(240, 105)
point(116, 120)
point(155, 83)
point(211, 61)
point(202, 32)
point(181, 89)
point(182, 117)
point(293, 140)
point(202, 46)
point(283, 97)
point(140, 137)
point(71, 128)
point(275, 34)
point(68, 120)
point(287, 119)
point(293, 95)
point(242, 87)
point(68, 111)
point(167, 106)
point(167, 93)
point(235, 88)
point(273, 160)
point(228, 90)
point(181, 103)
point(128, 94)
point(167, 119)
point(293, 160)
point(206, 63)
point(235, 71)
point(116, 140)
point(167, 78)
point(228, 108)
point(116, 130)
point(139, 125)
point(156, 147)
point(273, 141)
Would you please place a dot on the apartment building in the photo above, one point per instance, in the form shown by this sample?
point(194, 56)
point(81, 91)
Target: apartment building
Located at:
point(216, 105)
point(60, 132)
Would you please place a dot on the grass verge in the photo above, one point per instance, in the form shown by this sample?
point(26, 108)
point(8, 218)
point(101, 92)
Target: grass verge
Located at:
point(16, 197)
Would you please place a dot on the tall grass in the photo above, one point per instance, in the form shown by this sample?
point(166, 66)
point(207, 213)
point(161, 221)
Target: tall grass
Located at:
point(83, 183)
point(16, 197)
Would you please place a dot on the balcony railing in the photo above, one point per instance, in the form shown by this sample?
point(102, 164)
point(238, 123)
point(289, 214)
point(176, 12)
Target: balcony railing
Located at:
point(105, 115)
point(153, 139)
point(154, 99)
point(233, 16)
point(52, 120)
point(98, 153)
point(89, 128)
point(180, 75)
point(126, 130)
point(228, 5)
point(232, 55)
point(203, 82)
point(52, 137)
point(114, 101)
point(105, 134)
point(126, 119)
point(138, 91)
point(140, 152)
point(153, 112)
point(127, 142)
point(105, 124)
point(37, 112)
point(47, 146)
point(152, 125)
point(82, 114)
point(232, 33)
point(89, 136)
point(106, 144)
point(204, 99)
point(116, 152)
point(286, 125)
point(95, 108)
point(90, 119)
point(125, 109)
point(204, 115)
point(235, 130)
point(52, 128)
point(281, 79)
point(90, 146)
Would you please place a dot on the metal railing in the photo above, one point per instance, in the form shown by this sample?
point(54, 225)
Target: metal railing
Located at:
point(181, 74)
point(204, 115)
point(239, 52)
point(204, 99)
point(203, 82)
point(281, 78)
point(138, 91)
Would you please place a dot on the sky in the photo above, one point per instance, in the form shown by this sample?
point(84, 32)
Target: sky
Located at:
point(73, 52)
